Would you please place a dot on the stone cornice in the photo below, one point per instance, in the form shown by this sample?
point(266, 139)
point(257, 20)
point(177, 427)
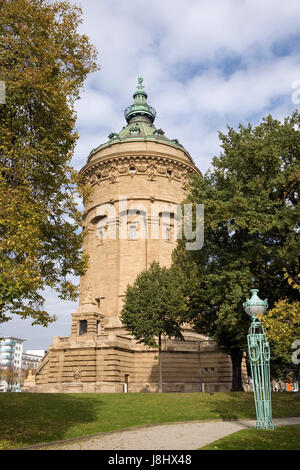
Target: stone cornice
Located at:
point(150, 165)
point(142, 153)
point(146, 140)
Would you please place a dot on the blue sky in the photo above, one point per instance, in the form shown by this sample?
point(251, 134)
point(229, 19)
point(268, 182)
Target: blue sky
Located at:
point(206, 64)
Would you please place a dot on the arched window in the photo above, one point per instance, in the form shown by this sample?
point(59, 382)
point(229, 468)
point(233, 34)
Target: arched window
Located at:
point(133, 223)
point(100, 224)
point(166, 221)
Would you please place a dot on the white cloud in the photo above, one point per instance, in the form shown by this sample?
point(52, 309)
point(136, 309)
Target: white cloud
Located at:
point(181, 48)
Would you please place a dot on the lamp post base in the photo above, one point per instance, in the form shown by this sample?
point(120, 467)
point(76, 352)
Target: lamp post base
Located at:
point(264, 424)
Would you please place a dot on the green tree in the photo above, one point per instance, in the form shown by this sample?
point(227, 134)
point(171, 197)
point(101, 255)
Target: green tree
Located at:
point(251, 232)
point(155, 306)
point(11, 376)
point(282, 324)
point(44, 62)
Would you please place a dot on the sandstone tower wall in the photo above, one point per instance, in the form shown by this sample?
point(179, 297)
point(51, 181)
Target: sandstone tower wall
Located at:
point(138, 179)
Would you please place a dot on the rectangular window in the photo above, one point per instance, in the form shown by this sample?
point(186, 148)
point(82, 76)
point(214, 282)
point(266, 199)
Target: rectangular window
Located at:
point(132, 232)
point(82, 327)
point(168, 232)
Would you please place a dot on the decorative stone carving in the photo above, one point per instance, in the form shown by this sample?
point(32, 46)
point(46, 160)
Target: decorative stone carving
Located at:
point(141, 167)
point(93, 180)
point(151, 172)
point(77, 374)
point(184, 180)
point(176, 174)
point(161, 169)
point(135, 129)
point(105, 172)
point(153, 166)
point(123, 168)
point(113, 174)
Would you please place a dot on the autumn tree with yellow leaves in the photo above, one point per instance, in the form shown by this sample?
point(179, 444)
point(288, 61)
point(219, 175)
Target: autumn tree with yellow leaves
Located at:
point(44, 61)
point(282, 323)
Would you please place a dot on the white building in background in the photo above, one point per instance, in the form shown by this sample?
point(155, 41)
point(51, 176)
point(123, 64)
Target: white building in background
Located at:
point(12, 357)
point(11, 351)
point(32, 358)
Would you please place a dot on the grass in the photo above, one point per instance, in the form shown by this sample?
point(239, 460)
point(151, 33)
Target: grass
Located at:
point(281, 438)
point(27, 419)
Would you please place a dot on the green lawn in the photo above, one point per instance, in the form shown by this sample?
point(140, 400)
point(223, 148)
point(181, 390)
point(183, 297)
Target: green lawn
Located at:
point(28, 419)
point(281, 438)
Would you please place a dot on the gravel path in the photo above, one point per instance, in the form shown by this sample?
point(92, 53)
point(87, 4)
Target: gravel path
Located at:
point(179, 436)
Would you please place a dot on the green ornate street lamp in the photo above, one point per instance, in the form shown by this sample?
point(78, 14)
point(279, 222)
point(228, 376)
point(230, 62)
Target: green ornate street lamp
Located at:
point(259, 355)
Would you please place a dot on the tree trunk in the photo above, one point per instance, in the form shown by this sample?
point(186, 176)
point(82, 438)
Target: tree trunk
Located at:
point(236, 361)
point(298, 376)
point(159, 364)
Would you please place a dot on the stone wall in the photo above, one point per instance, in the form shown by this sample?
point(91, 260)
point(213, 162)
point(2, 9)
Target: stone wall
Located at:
point(108, 363)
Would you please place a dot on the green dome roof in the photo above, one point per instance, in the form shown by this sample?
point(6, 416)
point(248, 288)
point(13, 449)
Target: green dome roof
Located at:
point(140, 117)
